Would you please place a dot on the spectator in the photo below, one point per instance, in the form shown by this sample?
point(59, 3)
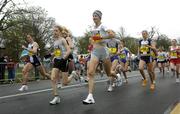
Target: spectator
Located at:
point(81, 60)
point(2, 68)
point(82, 64)
point(11, 70)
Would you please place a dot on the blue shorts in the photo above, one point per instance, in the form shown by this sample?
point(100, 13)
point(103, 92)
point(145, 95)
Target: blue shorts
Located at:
point(88, 58)
point(123, 60)
point(114, 57)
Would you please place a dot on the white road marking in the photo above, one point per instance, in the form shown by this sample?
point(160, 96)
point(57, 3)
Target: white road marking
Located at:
point(45, 90)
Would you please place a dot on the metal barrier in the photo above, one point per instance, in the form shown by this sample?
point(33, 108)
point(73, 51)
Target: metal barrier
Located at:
point(34, 74)
point(16, 73)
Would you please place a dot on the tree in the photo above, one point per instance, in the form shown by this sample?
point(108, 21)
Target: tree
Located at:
point(30, 20)
point(163, 41)
point(132, 44)
point(152, 32)
point(122, 33)
point(7, 8)
point(83, 42)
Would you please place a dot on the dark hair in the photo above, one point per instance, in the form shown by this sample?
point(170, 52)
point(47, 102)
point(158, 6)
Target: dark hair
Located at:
point(174, 40)
point(30, 34)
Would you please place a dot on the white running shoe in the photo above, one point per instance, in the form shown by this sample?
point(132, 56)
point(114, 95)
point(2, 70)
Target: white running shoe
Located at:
point(75, 75)
point(125, 81)
point(119, 80)
point(56, 100)
point(110, 88)
point(89, 101)
point(23, 88)
point(102, 72)
point(177, 80)
point(82, 79)
point(59, 85)
point(114, 84)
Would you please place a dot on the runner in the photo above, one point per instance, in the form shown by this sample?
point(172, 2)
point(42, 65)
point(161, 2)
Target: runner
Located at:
point(144, 49)
point(67, 35)
point(123, 55)
point(61, 53)
point(113, 45)
point(167, 64)
point(90, 48)
point(161, 59)
point(100, 52)
point(71, 67)
point(31, 61)
point(174, 52)
point(154, 57)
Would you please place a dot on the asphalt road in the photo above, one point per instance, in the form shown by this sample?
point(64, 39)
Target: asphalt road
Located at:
point(129, 98)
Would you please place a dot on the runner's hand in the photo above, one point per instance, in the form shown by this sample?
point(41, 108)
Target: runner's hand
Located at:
point(24, 47)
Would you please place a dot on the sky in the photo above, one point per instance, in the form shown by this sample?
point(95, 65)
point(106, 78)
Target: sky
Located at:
point(133, 15)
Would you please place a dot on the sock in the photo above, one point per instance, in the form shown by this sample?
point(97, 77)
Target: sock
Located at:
point(90, 95)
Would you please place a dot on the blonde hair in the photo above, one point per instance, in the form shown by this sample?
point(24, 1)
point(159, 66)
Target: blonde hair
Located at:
point(111, 32)
point(67, 32)
point(60, 28)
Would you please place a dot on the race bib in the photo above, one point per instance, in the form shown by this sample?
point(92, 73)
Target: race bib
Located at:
point(122, 56)
point(57, 52)
point(161, 57)
point(97, 38)
point(144, 49)
point(153, 54)
point(112, 50)
point(30, 53)
point(173, 55)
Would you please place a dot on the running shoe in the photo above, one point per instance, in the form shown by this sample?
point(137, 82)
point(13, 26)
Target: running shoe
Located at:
point(119, 80)
point(110, 88)
point(177, 80)
point(59, 85)
point(89, 101)
point(126, 81)
point(75, 75)
point(101, 73)
point(86, 80)
point(144, 82)
point(114, 84)
point(152, 87)
point(23, 88)
point(81, 79)
point(56, 100)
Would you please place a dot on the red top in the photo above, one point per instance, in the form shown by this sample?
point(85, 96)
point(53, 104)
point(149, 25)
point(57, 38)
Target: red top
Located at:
point(90, 47)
